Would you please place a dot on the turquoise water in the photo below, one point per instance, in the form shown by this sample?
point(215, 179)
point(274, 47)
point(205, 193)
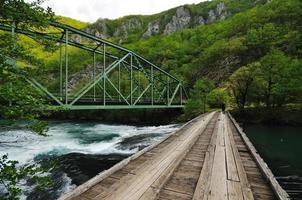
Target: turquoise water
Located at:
point(281, 148)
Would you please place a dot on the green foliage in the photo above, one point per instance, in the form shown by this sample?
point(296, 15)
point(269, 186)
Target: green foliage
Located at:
point(274, 81)
point(240, 83)
point(197, 103)
point(11, 175)
point(25, 15)
point(217, 97)
point(20, 100)
point(71, 22)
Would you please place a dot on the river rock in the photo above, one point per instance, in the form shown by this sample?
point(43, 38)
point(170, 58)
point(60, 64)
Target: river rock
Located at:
point(82, 167)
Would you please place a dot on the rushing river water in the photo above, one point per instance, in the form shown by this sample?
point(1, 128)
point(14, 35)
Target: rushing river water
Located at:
point(81, 149)
point(281, 148)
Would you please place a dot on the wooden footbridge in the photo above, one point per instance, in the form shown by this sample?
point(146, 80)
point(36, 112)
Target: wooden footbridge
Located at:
point(208, 158)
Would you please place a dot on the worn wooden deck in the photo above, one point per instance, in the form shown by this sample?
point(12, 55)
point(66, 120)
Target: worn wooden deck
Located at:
point(208, 158)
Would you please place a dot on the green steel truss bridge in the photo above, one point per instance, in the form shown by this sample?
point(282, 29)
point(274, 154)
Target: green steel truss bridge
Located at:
point(119, 78)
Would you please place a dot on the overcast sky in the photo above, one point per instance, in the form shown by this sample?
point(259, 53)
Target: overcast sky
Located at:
point(91, 10)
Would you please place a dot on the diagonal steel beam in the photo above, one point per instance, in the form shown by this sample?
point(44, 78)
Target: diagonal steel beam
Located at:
point(173, 96)
point(118, 91)
point(91, 82)
point(99, 79)
point(40, 88)
point(137, 100)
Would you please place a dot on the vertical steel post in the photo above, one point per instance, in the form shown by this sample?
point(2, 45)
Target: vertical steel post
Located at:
point(168, 89)
point(181, 95)
point(61, 73)
point(139, 82)
point(14, 42)
point(105, 75)
point(94, 76)
point(66, 67)
point(119, 80)
point(131, 80)
point(152, 84)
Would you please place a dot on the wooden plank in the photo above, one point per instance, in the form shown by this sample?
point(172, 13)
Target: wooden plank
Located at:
point(234, 190)
point(201, 187)
point(279, 192)
point(245, 186)
point(232, 173)
point(218, 187)
point(218, 177)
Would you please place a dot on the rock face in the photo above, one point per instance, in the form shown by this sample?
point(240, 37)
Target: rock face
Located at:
point(181, 20)
point(82, 75)
point(153, 29)
point(220, 13)
point(122, 31)
point(199, 20)
point(99, 29)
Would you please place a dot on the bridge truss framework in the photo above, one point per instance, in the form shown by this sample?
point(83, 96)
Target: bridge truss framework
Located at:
point(149, 86)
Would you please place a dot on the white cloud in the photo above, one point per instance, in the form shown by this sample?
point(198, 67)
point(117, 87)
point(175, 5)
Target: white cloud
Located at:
point(91, 10)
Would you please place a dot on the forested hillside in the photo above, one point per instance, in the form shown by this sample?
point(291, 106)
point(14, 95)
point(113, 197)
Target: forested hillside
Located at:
point(249, 50)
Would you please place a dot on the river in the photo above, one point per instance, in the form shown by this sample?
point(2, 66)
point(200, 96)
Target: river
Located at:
point(81, 150)
point(281, 148)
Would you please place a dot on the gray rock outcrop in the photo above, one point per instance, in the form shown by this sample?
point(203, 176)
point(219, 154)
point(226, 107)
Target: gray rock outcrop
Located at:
point(180, 20)
point(153, 29)
point(220, 12)
point(122, 31)
point(199, 20)
point(99, 29)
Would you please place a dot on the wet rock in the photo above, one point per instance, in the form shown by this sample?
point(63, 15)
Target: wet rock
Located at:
point(81, 167)
point(181, 20)
point(137, 141)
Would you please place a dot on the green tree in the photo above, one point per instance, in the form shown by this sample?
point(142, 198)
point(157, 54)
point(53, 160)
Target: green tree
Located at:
point(273, 73)
point(240, 83)
point(18, 99)
point(217, 97)
point(198, 96)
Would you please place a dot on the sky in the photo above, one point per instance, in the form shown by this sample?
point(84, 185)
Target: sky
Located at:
point(91, 10)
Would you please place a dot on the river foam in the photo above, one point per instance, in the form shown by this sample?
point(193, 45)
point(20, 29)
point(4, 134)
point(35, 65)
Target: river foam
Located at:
point(64, 138)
